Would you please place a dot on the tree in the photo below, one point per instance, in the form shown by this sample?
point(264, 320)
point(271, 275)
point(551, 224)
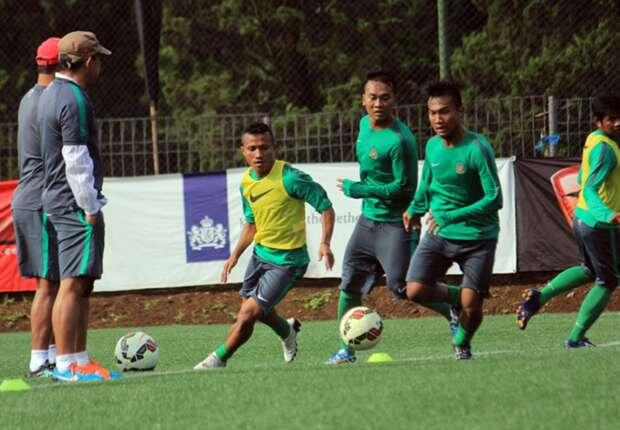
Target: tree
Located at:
point(536, 47)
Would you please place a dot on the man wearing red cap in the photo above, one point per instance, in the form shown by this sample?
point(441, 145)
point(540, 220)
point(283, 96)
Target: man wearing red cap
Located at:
point(72, 198)
point(34, 238)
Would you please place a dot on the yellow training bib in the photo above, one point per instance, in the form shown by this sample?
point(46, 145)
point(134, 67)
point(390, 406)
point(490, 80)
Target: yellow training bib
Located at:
point(280, 219)
point(609, 191)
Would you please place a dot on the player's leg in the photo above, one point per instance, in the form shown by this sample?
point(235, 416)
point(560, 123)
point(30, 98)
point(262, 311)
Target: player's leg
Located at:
point(602, 249)
point(82, 357)
point(475, 259)
point(41, 326)
point(394, 253)
point(428, 264)
point(51, 273)
point(253, 274)
point(469, 321)
point(32, 254)
point(275, 284)
point(359, 274)
point(66, 320)
point(80, 256)
point(533, 299)
point(570, 278)
point(239, 333)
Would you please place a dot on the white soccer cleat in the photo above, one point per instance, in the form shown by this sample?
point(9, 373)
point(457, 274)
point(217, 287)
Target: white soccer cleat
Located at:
point(211, 362)
point(289, 345)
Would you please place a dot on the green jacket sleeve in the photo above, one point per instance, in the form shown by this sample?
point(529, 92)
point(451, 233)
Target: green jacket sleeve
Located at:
point(421, 202)
point(492, 198)
point(300, 185)
point(602, 163)
point(390, 190)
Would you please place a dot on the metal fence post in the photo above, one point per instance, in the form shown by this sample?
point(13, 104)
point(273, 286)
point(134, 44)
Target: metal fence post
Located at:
point(552, 109)
point(444, 72)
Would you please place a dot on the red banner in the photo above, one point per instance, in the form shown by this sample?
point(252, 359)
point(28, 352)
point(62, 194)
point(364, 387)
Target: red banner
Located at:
point(10, 281)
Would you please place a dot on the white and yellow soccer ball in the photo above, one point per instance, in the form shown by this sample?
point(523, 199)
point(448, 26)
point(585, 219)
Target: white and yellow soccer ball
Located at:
point(361, 328)
point(136, 351)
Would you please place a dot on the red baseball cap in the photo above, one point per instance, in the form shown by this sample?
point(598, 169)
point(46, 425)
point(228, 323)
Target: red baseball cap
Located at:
point(47, 52)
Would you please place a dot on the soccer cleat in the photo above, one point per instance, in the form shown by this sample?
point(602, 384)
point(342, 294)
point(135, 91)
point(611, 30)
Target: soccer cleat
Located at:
point(463, 352)
point(94, 368)
point(342, 356)
point(211, 362)
point(289, 345)
point(44, 371)
point(529, 307)
point(583, 343)
point(75, 374)
point(455, 312)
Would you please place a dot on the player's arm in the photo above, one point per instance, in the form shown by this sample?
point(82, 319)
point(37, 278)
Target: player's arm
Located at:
point(602, 162)
point(421, 202)
point(79, 166)
point(491, 200)
point(300, 185)
point(248, 231)
point(396, 188)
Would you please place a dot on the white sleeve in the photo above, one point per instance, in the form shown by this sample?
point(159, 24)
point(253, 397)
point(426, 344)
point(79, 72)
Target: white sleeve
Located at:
point(79, 172)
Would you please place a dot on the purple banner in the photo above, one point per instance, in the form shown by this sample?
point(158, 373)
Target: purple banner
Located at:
point(206, 217)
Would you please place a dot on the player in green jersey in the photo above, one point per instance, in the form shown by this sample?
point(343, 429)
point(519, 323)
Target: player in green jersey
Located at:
point(387, 153)
point(274, 195)
point(460, 194)
point(596, 225)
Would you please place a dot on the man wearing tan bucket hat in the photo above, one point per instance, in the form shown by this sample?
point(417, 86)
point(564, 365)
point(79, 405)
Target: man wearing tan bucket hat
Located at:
point(72, 199)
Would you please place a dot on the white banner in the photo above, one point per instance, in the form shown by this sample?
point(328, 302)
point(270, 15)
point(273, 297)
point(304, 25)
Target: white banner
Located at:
point(158, 235)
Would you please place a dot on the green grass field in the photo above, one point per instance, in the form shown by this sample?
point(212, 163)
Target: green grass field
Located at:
point(518, 380)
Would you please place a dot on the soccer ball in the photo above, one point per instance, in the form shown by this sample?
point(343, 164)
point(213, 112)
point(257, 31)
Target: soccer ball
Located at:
point(136, 351)
point(361, 328)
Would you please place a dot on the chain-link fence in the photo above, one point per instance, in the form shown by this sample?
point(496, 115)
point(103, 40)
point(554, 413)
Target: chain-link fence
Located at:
point(220, 59)
point(515, 126)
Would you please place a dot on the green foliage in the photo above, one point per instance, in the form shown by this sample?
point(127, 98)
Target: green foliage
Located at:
point(534, 47)
point(278, 57)
point(232, 56)
point(317, 301)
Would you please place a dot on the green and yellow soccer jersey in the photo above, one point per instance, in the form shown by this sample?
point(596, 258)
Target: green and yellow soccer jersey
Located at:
point(388, 160)
point(599, 177)
point(275, 204)
point(460, 186)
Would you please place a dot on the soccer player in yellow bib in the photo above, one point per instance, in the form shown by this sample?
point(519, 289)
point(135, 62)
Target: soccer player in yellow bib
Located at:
point(274, 195)
point(596, 226)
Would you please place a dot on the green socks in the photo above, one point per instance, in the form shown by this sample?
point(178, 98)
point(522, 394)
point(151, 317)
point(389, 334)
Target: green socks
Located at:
point(453, 299)
point(347, 301)
point(439, 307)
point(223, 353)
point(590, 310)
point(462, 337)
point(281, 327)
point(454, 295)
point(570, 278)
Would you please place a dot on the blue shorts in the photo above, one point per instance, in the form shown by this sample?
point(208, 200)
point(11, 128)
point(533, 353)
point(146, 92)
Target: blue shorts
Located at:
point(435, 255)
point(80, 245)
point(268, 283)
point(376, 248)
point(600, 251)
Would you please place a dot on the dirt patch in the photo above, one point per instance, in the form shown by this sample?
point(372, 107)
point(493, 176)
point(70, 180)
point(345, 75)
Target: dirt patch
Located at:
point(311, 299)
